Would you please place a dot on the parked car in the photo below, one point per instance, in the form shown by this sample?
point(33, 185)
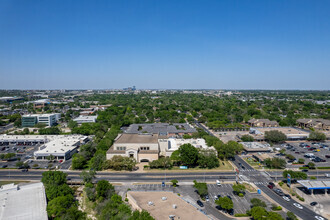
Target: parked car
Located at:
point(200, 203)
point(327, 156)
point(313, 203)
point(319, 217)
point(207, 198)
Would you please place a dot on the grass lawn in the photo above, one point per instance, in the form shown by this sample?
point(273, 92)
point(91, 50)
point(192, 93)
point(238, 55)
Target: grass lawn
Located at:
point(224, 166)
point(249, 188)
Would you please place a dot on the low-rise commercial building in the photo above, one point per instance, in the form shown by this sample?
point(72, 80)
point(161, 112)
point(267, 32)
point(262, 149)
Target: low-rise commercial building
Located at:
point(23, 202)
point(62, 147)
point(85, 119)
point(292, 134)
point(141, 147)
point(148, 147)
point(173, 144)
point(262, 123)
point(33, 119)
point(170, 130)
point(256, 147)
point(318, 124)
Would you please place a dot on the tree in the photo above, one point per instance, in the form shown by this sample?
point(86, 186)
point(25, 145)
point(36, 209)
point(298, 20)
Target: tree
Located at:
point(88, 176)
point(247, 138)
point(120, 163)
point(78, 161)
point(26, 131)
point(275, 136)
point(201, 188)
point(258, 213)
point(294, 175)
point(290, 157)
point(58, 206)
point(19, 164)
point(238, 188)
point(163, 162)
point(276, 163)
point(53, 178)
point(257, 202)
point(175, 157)
point(104, 189)
point(72, 124)
point(73, 213)
point(317, 136)
point(291, 216)
point(97, 162)
point(208, 158)
point(301, 160)
point(143, 215)
point(274, 216)
point(188, 155)
point(174, 182)
point(225, 203)
point(311, 165)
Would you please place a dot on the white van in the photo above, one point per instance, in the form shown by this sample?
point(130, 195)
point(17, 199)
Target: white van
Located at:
point(218, 182)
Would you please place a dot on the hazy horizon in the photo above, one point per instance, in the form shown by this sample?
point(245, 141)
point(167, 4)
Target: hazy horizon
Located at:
point(236, 45)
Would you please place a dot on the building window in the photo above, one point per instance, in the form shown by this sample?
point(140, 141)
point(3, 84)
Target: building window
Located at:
point(121, 148)
point(145, 148)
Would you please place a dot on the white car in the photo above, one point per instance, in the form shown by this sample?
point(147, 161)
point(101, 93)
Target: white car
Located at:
point(298, 205)
point(319, 218)
point(286, 198)
point(218, 183)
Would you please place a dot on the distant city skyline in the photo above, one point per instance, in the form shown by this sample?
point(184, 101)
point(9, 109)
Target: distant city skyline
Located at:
point(165, 44)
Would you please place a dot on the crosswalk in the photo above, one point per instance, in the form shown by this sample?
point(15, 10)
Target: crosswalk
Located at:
point(260, 183)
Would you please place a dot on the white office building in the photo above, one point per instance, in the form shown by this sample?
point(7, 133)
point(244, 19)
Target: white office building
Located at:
point(85, 119)
point(32, 119)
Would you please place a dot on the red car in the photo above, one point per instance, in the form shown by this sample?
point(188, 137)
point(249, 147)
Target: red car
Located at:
point(61, 161)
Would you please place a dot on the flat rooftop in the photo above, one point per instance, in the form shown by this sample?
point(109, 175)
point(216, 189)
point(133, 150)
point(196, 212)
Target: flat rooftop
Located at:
point(159, 128)
point(256, 146)
point(137, 138)
point(285, 130)
point(23, 202)
point(163, 209)
point(315, 184)
point(61, 145)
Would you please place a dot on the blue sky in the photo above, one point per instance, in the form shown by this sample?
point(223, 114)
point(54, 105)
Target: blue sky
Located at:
point(220, 44)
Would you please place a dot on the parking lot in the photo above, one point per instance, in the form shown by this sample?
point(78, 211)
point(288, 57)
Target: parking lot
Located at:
point(299, 152)
point(24, 153)
point(241, 204)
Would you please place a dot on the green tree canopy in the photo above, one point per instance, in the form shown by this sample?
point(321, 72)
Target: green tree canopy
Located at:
point(275, 136)
point(188, 155)
point(225, 203)
point(317, 136)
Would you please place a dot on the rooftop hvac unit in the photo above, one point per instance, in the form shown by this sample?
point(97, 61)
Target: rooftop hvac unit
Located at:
point(174, 206)
point(150, 203)
point(171, 217)
point(164, 198)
